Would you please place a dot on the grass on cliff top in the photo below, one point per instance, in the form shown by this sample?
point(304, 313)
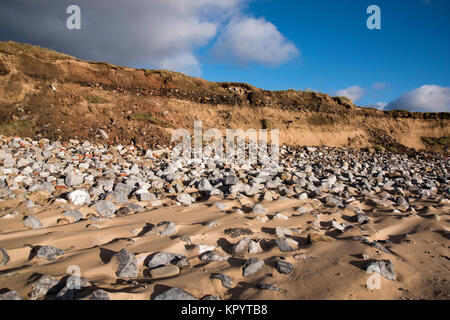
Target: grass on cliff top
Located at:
point(151, 119)
point(15, 48)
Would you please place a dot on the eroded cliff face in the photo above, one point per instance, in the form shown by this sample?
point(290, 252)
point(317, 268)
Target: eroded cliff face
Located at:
point(47, 94)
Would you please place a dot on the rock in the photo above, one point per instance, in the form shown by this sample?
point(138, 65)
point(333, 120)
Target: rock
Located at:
point(98, 294)
point(202, 248)
point(74, 285)
point(73, 215)
point(317, 237)
point(283, 232)
point(227, 281)
point(211, 298)
point(258, 209)
point(103, 134)
point(165, 272)
point(252, 266)
point(269, 287)
point(382, 267)
point(284, 267)
point(175, 293)
point(105, 208)
point(49, 253)
point(45, 285)
point(245, 245)
point(72, 180)
point(161, 259)
point(40, 196)
point(236, 232)
point(127, 265)
point(221, 206)
point(32, 222)
point(10, 295)
point(283, 245)
point(212, 256)
point(204, 185)
point(360, 218)
point(164, 228)
point(185, 199)
point(231, 180)
point(4, 257)
point(337, 225)
point(122, 212)
point(79, 197)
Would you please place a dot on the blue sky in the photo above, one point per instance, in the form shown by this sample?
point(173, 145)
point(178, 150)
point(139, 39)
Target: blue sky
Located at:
point(338, 50)
point(322, 45)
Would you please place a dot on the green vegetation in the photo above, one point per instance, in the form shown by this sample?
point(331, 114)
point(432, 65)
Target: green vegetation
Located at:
point(444, 141)
point(95, 99)
point(378, 148)
point(19, 127)
point(151, 119)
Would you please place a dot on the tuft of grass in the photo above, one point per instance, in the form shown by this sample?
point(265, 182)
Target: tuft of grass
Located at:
point(151, 119)
point(378, 148)
point(444, 141)
point(95, 99)
point(266, 123)
point(19, 127)
point(16, 48)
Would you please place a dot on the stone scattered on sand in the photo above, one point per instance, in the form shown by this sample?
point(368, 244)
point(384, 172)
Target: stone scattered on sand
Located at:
point(283, 245)
point(227, 281)
point(79, 197)
point(45, 285)
point(175, 293)
point(105, 208)
point(32, 222)
point(382, 267)
point(163, 259)
point(237, 232)
point(212, 256)
point(49, 253)
point(10, 295)
point(284, 267)
point(73, 215)
point(252, 266)
point(127, 265)
point(4, 257)
point(98, 294)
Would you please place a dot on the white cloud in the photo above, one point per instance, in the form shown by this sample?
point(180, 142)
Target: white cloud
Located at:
point(143, 33)
point(354, 93)
point(246, 40)
point(427, 98)
point(377, 105)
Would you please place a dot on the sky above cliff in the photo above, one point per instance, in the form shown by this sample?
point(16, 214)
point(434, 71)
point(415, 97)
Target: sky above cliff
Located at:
point(321, 45)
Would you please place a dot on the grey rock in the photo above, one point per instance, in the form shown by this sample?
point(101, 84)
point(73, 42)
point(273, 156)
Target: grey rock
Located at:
point(163, 259)
point(10, 295)
point(45, 285)
point(99, 294)
point(79, 197)
point(227, 281)
point(211, 256)
point(283, 245)
point(127, 265)
point(185, 199)
point(49, 253)
point(284, 267)
point(382, 267)
point(258, 209)
point(4, 257)
point(32, 222)
point(105, 208)
point(252, 266)
point(72, 180)
point(175, 293)
point(73, 215)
